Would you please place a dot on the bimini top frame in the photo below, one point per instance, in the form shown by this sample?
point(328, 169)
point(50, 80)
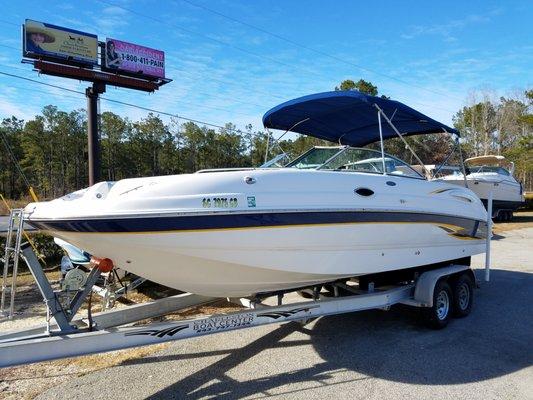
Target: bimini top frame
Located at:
point(349, 118)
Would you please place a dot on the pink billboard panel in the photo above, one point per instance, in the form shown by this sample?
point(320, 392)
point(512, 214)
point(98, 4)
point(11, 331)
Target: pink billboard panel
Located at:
point(135, 59)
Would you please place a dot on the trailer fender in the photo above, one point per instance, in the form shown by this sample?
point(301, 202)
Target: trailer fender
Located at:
point(425, 284)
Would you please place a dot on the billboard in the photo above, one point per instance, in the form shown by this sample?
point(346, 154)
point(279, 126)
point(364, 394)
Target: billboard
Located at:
point(133, 59)
point(48, 41)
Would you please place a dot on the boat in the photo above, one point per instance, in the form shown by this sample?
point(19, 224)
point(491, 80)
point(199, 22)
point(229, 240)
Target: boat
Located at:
point(332, 213)
point(485, 174)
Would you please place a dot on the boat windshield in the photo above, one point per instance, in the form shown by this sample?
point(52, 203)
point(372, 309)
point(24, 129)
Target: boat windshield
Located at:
point(485, 168)
point(314, 158)
point(369, 161)
point(351, 159)
point(439, 172)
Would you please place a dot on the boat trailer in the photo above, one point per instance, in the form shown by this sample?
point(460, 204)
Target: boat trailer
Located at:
point(437, 292)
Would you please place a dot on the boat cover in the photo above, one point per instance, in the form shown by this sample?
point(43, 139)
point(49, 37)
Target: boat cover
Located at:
point(488, 160)
point(349, 117)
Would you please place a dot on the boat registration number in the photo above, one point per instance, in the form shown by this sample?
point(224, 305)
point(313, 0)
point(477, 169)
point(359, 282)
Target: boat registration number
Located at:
point(219, 202)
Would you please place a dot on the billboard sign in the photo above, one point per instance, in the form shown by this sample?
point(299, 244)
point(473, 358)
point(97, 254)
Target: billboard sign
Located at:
point(133, 59)
point(46, 41)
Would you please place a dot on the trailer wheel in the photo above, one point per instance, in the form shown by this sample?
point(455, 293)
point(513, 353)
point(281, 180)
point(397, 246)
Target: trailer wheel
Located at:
point(463, 296)
point(438, 316)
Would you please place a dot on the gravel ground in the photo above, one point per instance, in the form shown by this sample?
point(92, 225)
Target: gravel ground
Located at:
point(367, 355)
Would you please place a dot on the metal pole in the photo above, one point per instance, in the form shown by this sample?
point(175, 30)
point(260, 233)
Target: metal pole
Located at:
point(93, 136)
point(7, 256)
point(267, 145)
point(463, 166)
point(381, 143)
point(16, 251)
point(427, 173)
point(489, 237)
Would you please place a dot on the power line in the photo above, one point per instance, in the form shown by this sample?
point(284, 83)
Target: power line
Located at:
point(41, 83)
point(9, 22)
point(320, 52)
point(225, 82)
point(9, 47)
point(185, 102)
point(274, 35)
point(215, 40)
point(83, 93)
point(196, 121)
point(225, 43)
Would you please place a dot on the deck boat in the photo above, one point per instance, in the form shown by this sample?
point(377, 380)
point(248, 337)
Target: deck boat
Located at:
point(494, 174)
point(332, 213)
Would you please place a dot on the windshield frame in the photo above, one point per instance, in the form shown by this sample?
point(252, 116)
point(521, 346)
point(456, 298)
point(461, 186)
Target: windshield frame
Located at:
point(342, 150)
point(416, 174)
point(305, 154)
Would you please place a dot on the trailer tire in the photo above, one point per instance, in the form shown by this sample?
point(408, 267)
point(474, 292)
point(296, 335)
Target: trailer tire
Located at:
point(463, 295)
point(438, 316)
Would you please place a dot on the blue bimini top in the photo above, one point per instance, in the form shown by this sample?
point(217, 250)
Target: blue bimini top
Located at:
point(349, 118)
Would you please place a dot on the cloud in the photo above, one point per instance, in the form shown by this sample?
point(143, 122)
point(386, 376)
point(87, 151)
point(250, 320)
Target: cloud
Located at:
point(10, 107)
point(446, 30)
point(110, 20)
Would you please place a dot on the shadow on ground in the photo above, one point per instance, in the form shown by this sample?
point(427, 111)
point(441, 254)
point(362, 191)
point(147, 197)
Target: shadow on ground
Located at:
point(493, 341)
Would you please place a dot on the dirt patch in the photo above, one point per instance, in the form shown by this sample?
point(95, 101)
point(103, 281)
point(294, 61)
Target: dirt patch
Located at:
point(28, 381)
point(521, 220)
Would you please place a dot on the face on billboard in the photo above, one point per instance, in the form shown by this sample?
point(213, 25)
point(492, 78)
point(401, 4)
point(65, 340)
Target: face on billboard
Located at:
point(50, 41)
point(134, 59)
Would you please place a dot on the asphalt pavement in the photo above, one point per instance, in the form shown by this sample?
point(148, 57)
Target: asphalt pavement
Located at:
point(367, 355)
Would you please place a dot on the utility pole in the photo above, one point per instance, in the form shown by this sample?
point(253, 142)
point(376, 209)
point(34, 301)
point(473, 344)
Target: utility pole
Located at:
point(93, 133)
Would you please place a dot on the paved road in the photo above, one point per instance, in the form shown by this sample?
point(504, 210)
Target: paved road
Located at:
point(370, 355)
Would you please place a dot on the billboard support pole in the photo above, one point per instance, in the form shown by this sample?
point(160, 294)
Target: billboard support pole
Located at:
point(93, 136)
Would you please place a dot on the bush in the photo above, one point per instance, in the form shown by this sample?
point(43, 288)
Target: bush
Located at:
point(46, 248)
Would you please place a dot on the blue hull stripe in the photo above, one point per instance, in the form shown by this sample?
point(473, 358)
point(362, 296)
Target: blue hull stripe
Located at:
point(468, 227)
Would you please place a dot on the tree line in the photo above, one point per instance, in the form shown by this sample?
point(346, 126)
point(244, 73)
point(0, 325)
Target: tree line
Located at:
point(51, 148)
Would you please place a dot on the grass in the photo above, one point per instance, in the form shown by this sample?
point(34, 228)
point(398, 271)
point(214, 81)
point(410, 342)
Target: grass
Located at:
point(12, 204)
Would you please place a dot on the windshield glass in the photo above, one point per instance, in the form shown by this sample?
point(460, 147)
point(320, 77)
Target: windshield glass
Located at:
point(366, 160)
point(445, 171)
point(485, 168)
point(314, 158)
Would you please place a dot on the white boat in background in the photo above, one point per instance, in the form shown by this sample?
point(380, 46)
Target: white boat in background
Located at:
point(494, 174)
point(332, 213)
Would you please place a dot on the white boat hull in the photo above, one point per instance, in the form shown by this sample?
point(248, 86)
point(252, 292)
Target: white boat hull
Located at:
point(218, 235)
point(506, 192)
point(239, 262)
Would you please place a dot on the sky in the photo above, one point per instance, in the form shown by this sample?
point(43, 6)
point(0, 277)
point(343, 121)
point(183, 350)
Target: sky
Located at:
point(231, 61)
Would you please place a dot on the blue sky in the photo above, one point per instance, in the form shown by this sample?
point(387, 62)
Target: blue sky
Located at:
point(429, 55)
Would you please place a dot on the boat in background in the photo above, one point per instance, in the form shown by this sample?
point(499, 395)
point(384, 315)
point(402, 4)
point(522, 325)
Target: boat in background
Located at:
point(494, 174)
point(333, 213)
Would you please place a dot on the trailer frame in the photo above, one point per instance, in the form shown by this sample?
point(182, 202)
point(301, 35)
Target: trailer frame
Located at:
point(112, 330)
point(72, 336)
